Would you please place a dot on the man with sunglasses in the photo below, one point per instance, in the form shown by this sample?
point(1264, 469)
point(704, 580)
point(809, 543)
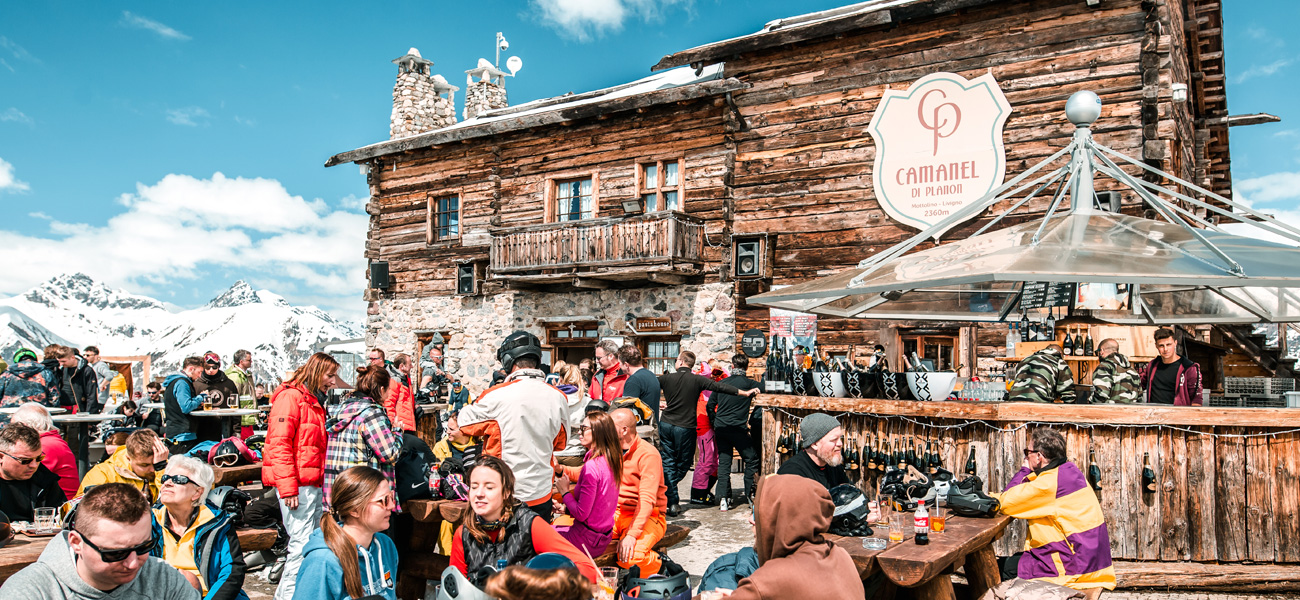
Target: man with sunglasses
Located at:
point(25, 483)
point(1067, 544)
point(106, 550)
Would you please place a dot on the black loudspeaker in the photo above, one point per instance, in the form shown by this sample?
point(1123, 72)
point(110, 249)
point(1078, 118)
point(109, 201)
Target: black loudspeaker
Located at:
point(748, 261)
point(379, 274)
point(1109, 201)
point(466, 279)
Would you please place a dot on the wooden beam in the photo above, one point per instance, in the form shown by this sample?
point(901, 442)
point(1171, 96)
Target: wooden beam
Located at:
point(589, 284)
point(667, 278)
point(1206, 577)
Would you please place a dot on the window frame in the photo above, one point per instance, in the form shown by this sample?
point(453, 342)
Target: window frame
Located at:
point(552, 195)
point(643, 343)
point(642, 191)
point(430, 213)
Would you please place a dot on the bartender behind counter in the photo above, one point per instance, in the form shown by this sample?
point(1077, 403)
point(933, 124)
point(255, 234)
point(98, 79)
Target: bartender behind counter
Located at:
point(1171, 379)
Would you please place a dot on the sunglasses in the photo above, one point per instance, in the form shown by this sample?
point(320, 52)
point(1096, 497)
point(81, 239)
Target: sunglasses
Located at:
point(1028, 452)
point(112, 556)
point(584, 429)
point(24, 461)
point(387, 501)
point(179, 479)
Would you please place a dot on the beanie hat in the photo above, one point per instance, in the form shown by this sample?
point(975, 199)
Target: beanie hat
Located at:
point(814, 427)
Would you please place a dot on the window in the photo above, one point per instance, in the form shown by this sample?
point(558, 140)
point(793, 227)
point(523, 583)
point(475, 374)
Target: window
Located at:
point(660, 354)
point(660, 185)
point(444, 218)
point(573, 200)
point(936, 351)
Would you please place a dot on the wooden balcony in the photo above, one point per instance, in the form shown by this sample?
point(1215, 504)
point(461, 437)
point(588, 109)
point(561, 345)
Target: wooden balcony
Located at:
point(665, 247)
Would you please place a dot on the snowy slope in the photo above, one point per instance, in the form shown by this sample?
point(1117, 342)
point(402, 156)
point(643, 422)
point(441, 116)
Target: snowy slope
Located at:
point(76, 310)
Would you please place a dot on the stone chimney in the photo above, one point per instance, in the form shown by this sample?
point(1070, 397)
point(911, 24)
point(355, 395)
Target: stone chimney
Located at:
point(485, 89)
point(421, 102)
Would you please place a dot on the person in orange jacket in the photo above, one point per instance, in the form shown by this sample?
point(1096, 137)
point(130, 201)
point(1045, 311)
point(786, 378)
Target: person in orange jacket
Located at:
point(400, 402)
point(293, 459)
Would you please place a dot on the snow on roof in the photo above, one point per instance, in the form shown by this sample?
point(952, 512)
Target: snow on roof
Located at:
point(665, 80)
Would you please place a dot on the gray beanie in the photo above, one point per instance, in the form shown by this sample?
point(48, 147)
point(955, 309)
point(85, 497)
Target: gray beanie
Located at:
point(814, 427)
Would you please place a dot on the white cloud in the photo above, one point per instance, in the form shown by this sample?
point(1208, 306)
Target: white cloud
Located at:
point(13, 115)
point(8, 181)
point(585, 19)
point(189, 116)
point(1263, 70)
point(182, 228)
point(135, 21)
point(1270, 188)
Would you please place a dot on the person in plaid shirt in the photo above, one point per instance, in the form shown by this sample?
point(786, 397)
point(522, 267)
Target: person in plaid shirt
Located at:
point(360, 432)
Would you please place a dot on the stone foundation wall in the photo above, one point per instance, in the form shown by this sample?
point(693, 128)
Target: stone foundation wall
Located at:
point(417, 106)
point(705, 315)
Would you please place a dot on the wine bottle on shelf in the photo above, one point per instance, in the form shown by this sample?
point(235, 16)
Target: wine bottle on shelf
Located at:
point(1148, 475)
point(970, 461)
point(1068, 347)
point(1050, 325)
point(1087, 343)
point(1013, 338)
point(1094, 471)
point(1078, 343)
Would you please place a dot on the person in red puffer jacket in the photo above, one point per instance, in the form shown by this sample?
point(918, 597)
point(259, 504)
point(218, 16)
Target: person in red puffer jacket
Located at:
point(293, 459)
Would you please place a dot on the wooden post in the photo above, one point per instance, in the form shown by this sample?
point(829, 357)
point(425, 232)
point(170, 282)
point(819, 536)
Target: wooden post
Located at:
point(937, 588)
point(982, 571)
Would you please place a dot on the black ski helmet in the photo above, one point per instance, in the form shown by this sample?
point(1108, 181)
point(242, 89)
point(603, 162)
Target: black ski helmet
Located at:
point(657, 587)
point(517, 345)
point(851, 511)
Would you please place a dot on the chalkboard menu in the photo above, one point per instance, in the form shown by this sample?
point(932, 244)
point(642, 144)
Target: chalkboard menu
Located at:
point(1043, 294)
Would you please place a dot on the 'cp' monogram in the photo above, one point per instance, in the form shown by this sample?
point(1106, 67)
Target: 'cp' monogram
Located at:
point(935, 124)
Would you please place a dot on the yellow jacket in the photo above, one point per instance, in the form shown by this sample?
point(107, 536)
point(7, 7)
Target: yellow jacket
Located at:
point(117, 469)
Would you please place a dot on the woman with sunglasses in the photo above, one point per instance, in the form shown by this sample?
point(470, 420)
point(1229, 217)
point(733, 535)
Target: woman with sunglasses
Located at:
point(348, 557)
point(195, 536)
point(593, 499)
point(504, 529)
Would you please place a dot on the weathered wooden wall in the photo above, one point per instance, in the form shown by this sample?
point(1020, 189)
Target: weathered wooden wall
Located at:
point(502, 183)
point(804, 167)
point(1220, 499)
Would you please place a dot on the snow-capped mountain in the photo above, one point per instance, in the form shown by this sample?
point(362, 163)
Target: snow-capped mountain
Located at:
point(75, 310)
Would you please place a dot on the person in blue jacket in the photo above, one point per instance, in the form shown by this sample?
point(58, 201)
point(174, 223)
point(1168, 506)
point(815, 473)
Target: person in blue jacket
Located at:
point(348, 557)
point(194, 535)
point(179, 400)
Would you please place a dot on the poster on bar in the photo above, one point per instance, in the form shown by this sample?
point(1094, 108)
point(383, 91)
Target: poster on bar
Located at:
point(798, 329)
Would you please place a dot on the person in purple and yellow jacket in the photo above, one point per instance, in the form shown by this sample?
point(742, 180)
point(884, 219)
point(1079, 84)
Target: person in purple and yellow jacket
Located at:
point(1067, 543)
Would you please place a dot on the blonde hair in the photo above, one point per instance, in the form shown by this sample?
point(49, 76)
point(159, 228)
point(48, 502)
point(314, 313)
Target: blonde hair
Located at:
point(312, 374)
point(196, 469)
point(33, 415)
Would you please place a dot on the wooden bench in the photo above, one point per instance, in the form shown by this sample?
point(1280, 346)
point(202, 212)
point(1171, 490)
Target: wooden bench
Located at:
point(237, 474)
point(673, 535)
point(252, 540)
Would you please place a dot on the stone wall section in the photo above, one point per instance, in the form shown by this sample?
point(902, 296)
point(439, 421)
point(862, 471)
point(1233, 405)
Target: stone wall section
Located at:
point(705, 315)
point(418, 107)
point(482, 96)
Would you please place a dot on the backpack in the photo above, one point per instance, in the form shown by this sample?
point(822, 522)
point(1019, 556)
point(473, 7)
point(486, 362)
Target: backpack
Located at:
point(412, 469)
point(966, 498)
point(452, 480)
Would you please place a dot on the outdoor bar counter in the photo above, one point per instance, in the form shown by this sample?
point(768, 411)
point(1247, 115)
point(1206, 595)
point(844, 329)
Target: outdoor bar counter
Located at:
point(1226, 511)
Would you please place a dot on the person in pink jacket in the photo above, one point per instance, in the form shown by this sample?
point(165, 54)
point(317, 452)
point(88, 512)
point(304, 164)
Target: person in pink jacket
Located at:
point(58, 455)
point(593, 499)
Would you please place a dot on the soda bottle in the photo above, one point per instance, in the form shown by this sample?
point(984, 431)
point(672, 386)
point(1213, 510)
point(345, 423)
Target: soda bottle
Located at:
point(921, 523)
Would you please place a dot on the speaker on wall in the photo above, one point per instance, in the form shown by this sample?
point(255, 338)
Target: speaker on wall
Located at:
point(379, 274)
point(1109, 201)
point(748, 258)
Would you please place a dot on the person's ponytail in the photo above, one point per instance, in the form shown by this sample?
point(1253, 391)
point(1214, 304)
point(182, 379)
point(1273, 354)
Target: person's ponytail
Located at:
point(350, 494)
point(345, 548)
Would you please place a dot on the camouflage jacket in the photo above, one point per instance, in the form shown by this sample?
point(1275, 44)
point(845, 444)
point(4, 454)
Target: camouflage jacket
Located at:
point(1043, 376)
point(1115, 380)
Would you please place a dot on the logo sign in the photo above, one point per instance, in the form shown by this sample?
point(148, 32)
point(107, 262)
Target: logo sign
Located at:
point(652, 324)
point(753, 343)
point(938, 146)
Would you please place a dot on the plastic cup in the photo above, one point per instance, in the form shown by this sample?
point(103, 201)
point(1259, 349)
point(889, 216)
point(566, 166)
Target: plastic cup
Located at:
point(897, 526)
point(938, 519)
point(608, 583)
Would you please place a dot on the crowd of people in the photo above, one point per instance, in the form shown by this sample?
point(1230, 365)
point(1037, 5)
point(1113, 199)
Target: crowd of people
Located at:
point(1045, 376)
point(564, 460)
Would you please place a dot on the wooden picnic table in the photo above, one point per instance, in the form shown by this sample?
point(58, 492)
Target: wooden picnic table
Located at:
point(24, 550)
point(965, 542)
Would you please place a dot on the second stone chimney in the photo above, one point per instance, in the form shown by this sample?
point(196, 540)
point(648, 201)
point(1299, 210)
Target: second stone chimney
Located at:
point(485, 89)
point(421, 101)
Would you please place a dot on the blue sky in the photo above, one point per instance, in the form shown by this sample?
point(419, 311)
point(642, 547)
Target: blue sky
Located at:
point(172, 148)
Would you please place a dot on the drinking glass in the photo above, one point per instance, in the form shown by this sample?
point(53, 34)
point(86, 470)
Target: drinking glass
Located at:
point(898, 524)
point(884, 508)
point(608, 583)
point(45, 521)
point(232, 401)
point(938, 519)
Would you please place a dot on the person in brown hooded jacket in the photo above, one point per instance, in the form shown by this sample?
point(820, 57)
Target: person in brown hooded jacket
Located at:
point(795, 561)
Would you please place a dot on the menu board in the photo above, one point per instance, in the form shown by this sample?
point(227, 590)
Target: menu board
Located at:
point(1043, 294)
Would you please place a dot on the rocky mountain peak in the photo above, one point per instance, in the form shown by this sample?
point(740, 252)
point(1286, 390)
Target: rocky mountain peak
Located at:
point(239, 294)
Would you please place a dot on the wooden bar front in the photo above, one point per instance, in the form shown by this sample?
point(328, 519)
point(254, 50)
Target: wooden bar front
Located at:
point(1228, 503)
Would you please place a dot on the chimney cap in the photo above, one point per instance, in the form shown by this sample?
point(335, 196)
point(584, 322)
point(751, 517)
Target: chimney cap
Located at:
point(412, 61)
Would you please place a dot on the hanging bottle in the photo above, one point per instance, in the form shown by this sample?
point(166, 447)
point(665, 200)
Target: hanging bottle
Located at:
point(871, 454)
point(931, 458)
point(1148, 475)
point(1094, 471)
point(970, 461)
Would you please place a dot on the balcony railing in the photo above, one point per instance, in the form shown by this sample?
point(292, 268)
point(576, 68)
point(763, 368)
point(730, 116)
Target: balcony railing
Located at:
point(662, 238)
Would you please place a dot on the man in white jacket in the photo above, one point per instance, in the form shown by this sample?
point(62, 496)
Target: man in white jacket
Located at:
point(521, 420)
